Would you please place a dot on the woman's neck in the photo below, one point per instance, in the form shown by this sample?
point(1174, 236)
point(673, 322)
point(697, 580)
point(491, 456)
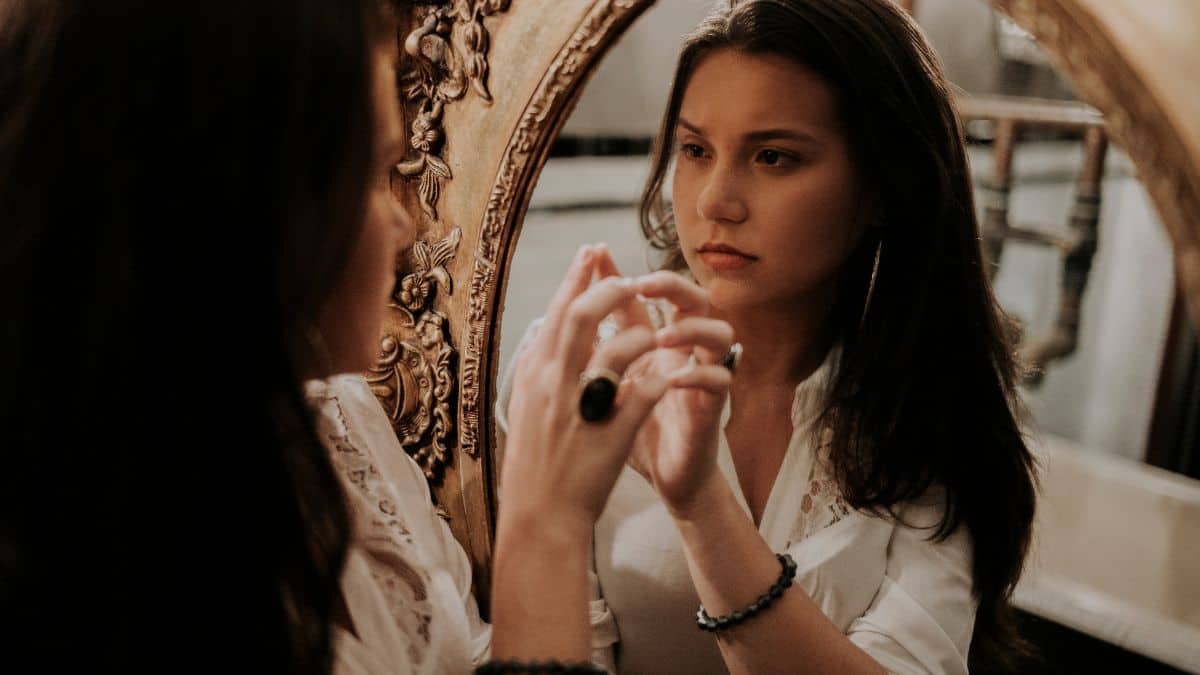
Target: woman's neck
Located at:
point(780, 349)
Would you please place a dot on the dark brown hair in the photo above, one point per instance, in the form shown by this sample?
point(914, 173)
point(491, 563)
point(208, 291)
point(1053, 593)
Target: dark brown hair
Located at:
point(180, 187)
point(924, 393)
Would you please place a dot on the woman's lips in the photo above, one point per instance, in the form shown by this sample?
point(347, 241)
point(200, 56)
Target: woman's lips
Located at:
point(723, 258)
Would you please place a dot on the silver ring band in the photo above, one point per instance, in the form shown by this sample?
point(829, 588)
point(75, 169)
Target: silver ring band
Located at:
point(732, 357)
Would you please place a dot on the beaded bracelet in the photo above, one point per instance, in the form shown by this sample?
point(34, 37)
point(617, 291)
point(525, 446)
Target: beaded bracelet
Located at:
point(530, 667)
point(707, 623)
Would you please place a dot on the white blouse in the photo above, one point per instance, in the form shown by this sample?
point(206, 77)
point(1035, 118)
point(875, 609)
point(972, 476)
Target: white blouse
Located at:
point(407, 582)
point(903, 599)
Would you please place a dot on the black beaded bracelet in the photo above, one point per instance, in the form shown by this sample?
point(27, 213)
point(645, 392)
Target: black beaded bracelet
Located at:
point(707, 623)
point(531, 667)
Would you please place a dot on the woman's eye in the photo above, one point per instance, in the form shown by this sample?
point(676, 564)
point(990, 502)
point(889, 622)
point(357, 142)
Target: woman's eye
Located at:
point(692, 150)
point(771, 157)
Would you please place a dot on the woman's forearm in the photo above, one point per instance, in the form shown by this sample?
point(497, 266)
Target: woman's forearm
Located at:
point(731, 566)
point(540, 590)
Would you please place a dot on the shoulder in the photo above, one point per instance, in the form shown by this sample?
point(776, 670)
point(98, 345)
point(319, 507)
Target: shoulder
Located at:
point(918, 557)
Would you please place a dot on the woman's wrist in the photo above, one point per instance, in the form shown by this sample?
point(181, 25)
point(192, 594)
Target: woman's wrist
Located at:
point(543, 525)
point(540, 592)
point(700, 504)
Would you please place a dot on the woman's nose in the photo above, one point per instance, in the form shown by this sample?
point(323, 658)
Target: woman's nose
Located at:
point(721, 198)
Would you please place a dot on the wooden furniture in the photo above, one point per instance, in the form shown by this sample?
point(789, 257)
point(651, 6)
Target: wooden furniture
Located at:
point(1011, 116)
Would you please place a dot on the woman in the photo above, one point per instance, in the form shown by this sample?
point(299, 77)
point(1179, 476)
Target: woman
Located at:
point(821, 202)
point(196, 218)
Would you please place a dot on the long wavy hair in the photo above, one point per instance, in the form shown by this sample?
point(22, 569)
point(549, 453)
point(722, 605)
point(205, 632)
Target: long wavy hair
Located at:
point(924, 392)
point(181, 184)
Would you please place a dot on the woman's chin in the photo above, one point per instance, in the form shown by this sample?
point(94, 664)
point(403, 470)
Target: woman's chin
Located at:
point(730, 296)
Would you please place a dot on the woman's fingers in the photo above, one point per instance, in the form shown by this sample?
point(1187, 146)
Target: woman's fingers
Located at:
point(579, 276)
point(711, 337)
point(689, 299)
point(577, 332)
point(636, 400)
point(619, 351)
point(711, 378)
point(631, 313)
point(605, 265)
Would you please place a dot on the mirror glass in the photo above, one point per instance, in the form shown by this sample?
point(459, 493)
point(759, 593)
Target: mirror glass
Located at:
point(1027, 132)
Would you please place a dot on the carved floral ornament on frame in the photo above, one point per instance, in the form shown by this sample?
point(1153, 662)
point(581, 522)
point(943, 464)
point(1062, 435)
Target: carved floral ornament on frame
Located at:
point(414, 375)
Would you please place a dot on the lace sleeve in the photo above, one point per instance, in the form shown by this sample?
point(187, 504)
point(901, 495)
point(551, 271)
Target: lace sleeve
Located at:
point(384, 537)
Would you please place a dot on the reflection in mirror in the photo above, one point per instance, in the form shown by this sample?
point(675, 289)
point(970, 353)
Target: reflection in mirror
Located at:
point(1085, 267)
point(1080, 261)
point(1098, 385)
point(1084, 263)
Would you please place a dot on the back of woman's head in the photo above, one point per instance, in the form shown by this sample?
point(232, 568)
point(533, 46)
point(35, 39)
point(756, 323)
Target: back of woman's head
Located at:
point(923, 394)
point(180, 184)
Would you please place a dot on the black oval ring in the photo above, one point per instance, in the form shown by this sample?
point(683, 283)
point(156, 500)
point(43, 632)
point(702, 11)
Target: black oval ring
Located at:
point(597, 392)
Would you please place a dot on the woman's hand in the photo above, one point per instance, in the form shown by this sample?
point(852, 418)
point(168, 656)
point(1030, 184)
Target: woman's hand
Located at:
point(559, 468)
point(676, 447)
point(556, 464)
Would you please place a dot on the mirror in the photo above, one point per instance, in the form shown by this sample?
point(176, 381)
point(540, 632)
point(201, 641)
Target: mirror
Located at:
point(1086, 263)
point(486, 95)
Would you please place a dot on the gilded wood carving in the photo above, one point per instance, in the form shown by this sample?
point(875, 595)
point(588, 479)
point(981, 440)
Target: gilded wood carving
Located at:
point(541, 119)
point(413, 377)
point(441, 68)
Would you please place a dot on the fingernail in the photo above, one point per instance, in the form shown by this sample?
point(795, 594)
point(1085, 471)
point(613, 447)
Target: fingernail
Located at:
point(667, 335)
point(579, 255)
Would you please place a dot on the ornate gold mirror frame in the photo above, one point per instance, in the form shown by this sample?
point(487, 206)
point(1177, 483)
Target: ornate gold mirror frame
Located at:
point(487, 86)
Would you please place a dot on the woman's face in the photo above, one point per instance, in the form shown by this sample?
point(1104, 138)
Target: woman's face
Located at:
point(766, 201)
point(353, 318)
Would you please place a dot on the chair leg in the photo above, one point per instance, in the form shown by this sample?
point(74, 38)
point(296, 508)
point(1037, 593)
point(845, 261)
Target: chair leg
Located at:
point(1077, 264)
point(995, 194)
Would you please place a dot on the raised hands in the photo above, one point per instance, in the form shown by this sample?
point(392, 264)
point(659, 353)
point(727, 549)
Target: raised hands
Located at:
point(676, 446)
point(560, 468)
point(554, 459)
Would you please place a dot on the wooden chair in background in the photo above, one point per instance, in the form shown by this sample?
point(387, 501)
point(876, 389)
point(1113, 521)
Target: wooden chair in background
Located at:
point(1011, 117)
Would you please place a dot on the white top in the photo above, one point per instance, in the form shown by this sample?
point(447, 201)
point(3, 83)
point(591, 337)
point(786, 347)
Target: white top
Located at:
point(903, 599)
point(407, 582)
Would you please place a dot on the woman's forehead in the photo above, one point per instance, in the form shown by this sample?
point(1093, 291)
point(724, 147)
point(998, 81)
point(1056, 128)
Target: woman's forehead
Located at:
point(734, 91)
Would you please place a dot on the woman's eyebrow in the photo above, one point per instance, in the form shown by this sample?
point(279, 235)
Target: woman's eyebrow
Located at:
point(691, 127)
point(781, 134)
point(773, 134)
